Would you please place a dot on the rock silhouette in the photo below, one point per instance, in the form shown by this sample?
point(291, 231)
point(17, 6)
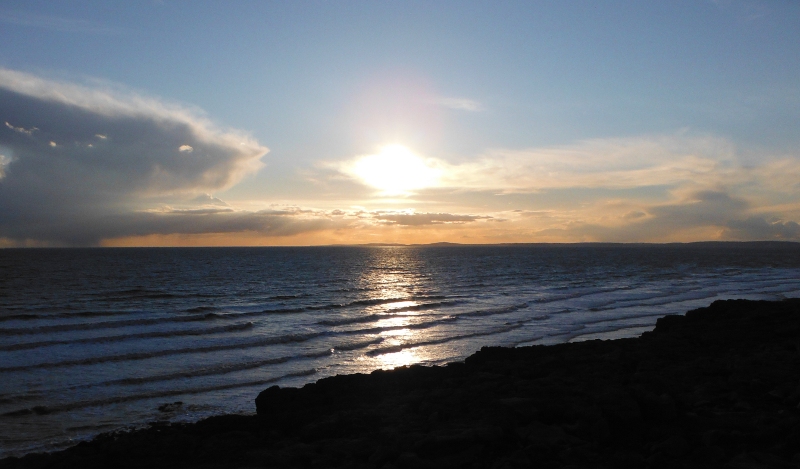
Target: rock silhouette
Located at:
point(718, 387)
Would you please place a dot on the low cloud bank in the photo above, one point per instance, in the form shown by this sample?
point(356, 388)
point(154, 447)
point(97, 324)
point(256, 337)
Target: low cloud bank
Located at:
point(420, 219)
point(699, 215)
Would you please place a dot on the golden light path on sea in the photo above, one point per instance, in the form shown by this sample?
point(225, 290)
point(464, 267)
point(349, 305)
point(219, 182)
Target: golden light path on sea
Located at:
point(395, 274)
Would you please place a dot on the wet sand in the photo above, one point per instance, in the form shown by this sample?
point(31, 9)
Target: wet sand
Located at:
point(718, 387)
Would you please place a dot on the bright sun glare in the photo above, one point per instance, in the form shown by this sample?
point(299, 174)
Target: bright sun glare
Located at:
point(395, 170)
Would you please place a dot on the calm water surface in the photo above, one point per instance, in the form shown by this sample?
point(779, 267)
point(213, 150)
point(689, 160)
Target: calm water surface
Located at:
point(93, 340)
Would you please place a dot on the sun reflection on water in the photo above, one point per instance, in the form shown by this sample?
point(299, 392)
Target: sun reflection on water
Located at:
point(396, 333)
point(401, 304)
point(395, 275)
point(401, 358)
point(392, 321)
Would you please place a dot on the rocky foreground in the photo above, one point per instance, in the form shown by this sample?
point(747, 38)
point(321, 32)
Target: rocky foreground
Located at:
point(718, 387)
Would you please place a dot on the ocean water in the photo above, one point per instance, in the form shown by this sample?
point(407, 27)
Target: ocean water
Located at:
point(94, 340)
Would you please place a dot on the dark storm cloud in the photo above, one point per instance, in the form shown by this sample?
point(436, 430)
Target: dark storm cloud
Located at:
point(79, 163)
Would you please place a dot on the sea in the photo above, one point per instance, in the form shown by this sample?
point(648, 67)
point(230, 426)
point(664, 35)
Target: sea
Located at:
point(102, 339)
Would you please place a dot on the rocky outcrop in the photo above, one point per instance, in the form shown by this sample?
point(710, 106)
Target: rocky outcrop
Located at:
point(718, 387)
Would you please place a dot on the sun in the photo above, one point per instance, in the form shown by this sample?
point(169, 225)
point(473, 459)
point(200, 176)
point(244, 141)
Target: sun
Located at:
point(395, 170)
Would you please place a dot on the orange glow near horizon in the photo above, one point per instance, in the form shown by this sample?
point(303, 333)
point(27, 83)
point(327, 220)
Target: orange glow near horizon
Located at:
point(479, 232)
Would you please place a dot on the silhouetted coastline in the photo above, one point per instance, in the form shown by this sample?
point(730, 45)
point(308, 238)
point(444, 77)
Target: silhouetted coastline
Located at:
point(718, 387)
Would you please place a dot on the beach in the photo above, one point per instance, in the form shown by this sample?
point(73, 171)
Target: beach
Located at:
point(716, 387)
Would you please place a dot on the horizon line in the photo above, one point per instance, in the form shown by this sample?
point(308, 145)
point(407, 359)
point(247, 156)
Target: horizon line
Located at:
point(436, 244)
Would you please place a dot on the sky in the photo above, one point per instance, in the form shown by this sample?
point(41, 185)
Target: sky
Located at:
point(207, 123)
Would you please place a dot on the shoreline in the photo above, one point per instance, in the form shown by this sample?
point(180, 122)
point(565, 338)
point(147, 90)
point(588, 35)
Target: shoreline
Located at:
point(718, 386)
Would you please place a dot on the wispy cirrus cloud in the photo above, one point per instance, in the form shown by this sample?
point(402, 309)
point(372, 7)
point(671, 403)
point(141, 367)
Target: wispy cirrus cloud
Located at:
point(607, 163)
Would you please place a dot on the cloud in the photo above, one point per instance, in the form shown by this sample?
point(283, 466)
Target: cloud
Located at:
point(419, 219)
point(633, 215)
point(599, 163)
point(202, 221)
point(4, 160)
point(99, 155)
point(168, 220)
point(190, 211)
point(459, 104)
point(657, 188)
point(208, 199)
point(700, 215)
point(702, 208)
point(21, 129)
point(81, 165)
point(758, 228)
